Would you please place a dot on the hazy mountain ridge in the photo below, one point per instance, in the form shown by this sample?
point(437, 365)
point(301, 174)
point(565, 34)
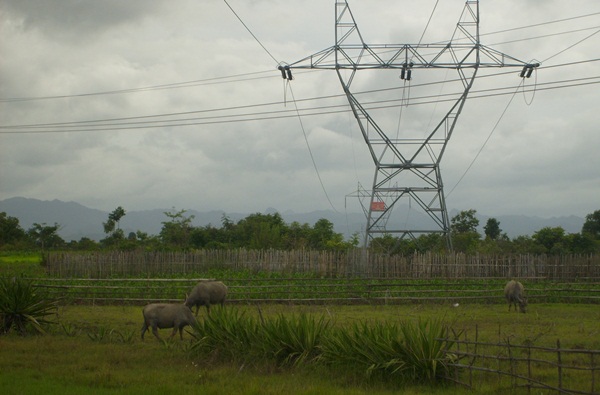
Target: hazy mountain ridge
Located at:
point(79, 221)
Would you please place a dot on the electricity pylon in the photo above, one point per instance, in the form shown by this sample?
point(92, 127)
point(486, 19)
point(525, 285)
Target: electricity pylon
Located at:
point(407, 165)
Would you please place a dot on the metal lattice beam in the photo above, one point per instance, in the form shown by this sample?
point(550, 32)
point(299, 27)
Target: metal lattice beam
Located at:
point(407, 167)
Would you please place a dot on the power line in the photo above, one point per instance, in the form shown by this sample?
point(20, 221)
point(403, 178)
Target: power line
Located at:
point(310, 150)
point(486, 140)
point(175, 85)
point(573, 45)
point(114, 121)
point(250, 31)
point(316, 111)
point(240, 77)
point(547, 35)
point(540, 24)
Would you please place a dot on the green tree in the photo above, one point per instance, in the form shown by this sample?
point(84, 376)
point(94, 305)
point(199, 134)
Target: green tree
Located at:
point(386, 244)
point(11, 232)
point(260, 231)
point(321, 234)
point(591, 225)
point(465, 222)
point(114, 234)
point(45, 236)
point(84, 244)
point(113, 220)
point(552, 239)
point(176, 232)
point(526, 245)
point(492, 229)
point(581, 243)
point(297, 236)
point(465, 237)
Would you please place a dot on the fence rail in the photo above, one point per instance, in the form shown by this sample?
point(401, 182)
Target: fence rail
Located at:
point(565, 371)
point(318, 290)
point(324, 263)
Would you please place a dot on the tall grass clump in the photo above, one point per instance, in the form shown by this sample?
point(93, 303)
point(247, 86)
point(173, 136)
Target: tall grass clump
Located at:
point(424, 352)
point(413, 352)
point(24, 307)
point(365, 347)
point(294, 340)
point(226, 334)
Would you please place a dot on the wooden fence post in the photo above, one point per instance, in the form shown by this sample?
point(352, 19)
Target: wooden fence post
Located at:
point(593, 373)
point(559, 363)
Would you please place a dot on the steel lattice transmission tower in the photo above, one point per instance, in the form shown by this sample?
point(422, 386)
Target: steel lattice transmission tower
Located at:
point(407, 164)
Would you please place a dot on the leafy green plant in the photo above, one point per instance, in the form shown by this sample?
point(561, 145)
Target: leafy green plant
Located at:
point(102, 334)
point(411, 351)
point(294, 340)
point(123, 336)
point(228, 333)
point(23, 306)
point(364, 346)
point(69, 330)
point(423, 349)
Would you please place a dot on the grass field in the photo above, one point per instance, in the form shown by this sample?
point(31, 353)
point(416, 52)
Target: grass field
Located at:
point(97, 350)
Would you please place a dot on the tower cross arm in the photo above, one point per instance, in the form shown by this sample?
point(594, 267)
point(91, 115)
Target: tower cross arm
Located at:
point(403, 56)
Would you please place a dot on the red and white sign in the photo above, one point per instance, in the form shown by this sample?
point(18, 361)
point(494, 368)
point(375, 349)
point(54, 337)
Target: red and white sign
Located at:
point(377, 206)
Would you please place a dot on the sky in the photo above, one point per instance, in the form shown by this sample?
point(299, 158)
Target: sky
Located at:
point(151, 104)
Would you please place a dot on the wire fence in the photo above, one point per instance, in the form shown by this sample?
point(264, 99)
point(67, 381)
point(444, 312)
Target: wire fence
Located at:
point(356, 262)
point(525, 367)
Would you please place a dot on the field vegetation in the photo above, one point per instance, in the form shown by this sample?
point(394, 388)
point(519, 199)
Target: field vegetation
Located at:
point(256, 346)
point(97, 349)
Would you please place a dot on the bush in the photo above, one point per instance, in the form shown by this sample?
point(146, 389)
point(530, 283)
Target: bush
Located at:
point(23, 306)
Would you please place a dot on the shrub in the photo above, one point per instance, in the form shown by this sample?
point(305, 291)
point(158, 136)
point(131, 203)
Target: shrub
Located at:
point(294, 340)
point(226, 334)
point(413, 352)
point(23, 306)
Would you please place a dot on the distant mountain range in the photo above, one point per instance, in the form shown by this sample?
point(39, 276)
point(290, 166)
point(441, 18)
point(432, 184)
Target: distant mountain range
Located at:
point(77, 221)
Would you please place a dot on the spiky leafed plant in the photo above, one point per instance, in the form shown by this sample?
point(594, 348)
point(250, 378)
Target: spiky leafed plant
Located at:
point(23, 306)
point(365, 346)
point(294, 340)
point(412, 352)
point(228, 333)
point(423, 351)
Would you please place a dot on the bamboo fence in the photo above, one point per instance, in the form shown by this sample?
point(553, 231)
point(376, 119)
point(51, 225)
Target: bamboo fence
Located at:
point(525, 367)
point(324, 263)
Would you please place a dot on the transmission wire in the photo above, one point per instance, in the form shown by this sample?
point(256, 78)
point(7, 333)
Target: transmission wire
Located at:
point(486, 140)
point(309, 149)
point(250, 31)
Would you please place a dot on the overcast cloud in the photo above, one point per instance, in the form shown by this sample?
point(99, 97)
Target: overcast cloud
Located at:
point(542, 158)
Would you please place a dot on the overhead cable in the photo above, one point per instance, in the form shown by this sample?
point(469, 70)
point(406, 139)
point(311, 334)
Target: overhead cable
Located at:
point(238, 77)
point(314, 111)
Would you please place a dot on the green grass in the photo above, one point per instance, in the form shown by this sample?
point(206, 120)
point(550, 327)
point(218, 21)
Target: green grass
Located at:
point(21, 263)
point(69, 360)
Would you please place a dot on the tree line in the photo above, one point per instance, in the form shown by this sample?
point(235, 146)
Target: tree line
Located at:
point(269, 231)
point(465, 238)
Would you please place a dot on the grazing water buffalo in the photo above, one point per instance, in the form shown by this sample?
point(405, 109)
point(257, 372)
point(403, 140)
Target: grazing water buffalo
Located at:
point(206, 293)
point(514, 292)
point(167, 315)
